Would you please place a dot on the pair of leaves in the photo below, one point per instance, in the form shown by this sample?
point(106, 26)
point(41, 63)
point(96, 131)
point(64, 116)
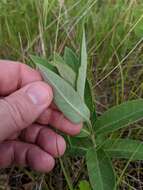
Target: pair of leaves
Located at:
point(101, 173)
point(100, 170)
point(71, 103)
point(67, 99)
point(79, 67)
point(115, 148)
point(76, 70)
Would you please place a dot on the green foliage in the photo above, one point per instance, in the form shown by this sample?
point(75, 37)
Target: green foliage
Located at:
point(71, 59)
point(84, 185)
point(79, 146)
point(100, 170)
point(119, 116)
point(65, 97)
point(65, 71)
point(124, 148)
point(44, 62)
point(71, 87)
point(81, 79)
point(88, 97)
point(136, 14)
point(29, 26)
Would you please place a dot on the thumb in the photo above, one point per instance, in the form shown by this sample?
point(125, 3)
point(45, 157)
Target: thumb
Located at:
point(23, 107)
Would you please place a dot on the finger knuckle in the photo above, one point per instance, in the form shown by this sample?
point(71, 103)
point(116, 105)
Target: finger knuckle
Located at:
point(14, 110)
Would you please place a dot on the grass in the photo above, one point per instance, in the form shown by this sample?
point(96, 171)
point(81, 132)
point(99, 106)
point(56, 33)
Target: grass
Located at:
point(115, 34)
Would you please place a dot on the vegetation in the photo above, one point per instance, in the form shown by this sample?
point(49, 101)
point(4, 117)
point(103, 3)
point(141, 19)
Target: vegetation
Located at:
point(114, 33)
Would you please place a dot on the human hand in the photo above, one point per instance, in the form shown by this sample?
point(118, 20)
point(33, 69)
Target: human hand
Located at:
point(25, 107)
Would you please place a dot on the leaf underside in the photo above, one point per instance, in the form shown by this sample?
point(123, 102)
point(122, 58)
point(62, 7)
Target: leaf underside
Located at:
point(44, 62)
point(81, 79)
point(65, 97)
point(66, 72)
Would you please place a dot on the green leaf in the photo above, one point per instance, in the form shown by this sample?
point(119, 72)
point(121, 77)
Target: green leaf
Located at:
point(119, 116)
point(124, 148)
point(65, 97)
point(84, 131)
point(88, 96)
point(84, 185)
point(71, 59)
point(100, 140)
point(79, 146)
point(100, 170)
point(84, 142)
point(81, 79)
point(44, 62)
point(65, 71)
point(76, 151)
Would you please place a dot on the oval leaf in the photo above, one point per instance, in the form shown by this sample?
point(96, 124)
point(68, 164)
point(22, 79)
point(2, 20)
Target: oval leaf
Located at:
point(65, 97)
point(124, 148)
point(101, 173)
point(119, 116)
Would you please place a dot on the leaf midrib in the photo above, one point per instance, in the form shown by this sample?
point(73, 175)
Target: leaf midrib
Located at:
point(77, 111)
point(117, 121)
point(101, 182)
point(119, 150)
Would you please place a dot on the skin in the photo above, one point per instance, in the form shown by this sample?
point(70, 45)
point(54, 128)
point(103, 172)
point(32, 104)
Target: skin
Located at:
point(25, 138)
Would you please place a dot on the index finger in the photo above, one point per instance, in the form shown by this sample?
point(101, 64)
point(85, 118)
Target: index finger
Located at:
point(14, 75)
point(57, 120)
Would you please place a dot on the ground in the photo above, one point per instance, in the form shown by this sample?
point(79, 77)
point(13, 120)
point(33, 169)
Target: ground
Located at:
point(114, 30)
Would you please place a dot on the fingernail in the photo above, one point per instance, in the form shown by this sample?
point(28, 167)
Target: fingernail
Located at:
point(39, 93)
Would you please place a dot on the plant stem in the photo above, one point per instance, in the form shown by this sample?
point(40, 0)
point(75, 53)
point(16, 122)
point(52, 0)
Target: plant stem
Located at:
point(92, 133)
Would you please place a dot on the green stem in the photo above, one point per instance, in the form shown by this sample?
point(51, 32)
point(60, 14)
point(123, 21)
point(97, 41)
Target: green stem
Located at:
point(92, 133)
